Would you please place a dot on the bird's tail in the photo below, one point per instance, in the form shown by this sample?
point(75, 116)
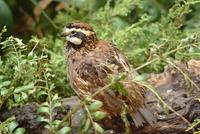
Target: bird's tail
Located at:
point(143, 116)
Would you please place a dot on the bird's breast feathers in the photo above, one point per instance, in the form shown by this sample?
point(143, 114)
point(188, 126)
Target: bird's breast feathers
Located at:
point(94, 67)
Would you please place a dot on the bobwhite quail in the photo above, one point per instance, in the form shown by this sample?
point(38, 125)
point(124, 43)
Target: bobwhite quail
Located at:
point(91, 62)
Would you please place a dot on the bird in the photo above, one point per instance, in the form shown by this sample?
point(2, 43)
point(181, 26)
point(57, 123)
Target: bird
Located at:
point(91, 62)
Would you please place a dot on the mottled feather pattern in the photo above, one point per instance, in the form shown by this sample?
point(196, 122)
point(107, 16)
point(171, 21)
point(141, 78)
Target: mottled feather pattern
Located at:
point(90, 67)
point(89, 72)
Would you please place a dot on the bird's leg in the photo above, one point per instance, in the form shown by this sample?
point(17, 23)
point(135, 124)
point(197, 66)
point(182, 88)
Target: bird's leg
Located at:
point(125, 120)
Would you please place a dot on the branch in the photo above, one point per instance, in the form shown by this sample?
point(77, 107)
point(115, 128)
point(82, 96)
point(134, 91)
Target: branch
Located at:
point(158, 58)
point(46, 16)
point(184, 74)
point(74, 110)
point(163, 102)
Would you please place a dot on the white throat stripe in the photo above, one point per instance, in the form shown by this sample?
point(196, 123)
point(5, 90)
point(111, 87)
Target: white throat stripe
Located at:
point(74, 40)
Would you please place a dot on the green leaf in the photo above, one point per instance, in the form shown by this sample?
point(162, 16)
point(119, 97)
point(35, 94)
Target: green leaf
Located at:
point(120, 88)
point(56, 123)
point(41, 93)
point(42, 119)
point(5, 83)
point(3, 91)
point(158, 67)
point(19, 131)
point(98, 128)
point(139, 50)
point(17, 97)
point(45, 104)
point(179, 55)
point(119, 77)
point(95, 105)
point(24, 96)
point(64, 130)
point(55, 97)
point(12, 126)
point(30, 55)
point(48, 74)
point(86, 126)
point(118, 22)
point(24, 88)
point(1, 76)
point(43, 110)
point(47, 127)
point(142, 77)
point(55, 104)
point(98, 115)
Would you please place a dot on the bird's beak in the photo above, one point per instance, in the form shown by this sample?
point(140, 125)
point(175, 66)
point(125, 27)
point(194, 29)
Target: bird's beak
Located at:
point(62, 34)
point(65, 33)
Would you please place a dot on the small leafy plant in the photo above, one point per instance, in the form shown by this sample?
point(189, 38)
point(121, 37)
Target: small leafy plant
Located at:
point(93, 115)
point(47, 108)
point(11, 126)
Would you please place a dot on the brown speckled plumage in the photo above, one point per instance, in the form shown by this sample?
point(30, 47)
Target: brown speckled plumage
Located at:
point(79, 24)
point(91, 64)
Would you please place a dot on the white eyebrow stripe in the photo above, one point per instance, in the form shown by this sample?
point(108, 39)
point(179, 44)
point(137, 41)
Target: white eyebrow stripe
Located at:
point(86, 32)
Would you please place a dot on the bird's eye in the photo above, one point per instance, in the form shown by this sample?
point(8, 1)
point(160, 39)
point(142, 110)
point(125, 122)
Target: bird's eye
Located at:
point(73, 32)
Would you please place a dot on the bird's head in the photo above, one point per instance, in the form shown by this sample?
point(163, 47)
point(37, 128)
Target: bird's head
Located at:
point(78, 33)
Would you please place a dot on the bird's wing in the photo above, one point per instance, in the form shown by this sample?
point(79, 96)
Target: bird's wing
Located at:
point(106, 60)
point(95, 70)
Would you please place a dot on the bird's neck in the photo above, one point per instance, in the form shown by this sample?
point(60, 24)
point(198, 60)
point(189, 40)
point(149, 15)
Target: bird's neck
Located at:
point(90, 42)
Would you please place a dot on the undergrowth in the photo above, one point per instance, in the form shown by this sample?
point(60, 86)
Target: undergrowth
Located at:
point(150, 35)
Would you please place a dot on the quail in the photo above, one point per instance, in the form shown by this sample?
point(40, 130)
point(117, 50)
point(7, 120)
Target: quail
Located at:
point(91, 62)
